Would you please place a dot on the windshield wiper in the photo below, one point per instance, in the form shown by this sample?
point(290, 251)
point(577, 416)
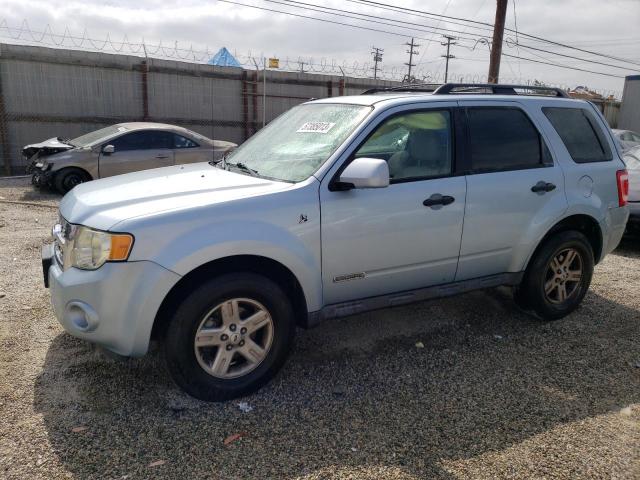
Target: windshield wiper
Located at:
point(243, 167)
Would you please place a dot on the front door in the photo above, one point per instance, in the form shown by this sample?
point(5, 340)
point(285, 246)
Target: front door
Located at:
point(515, 191)
point(407, 235)
point(138, 150)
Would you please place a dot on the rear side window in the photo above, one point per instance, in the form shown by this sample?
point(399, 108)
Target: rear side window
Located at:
point(503, 138)
point(580, 133)
point(183, 142)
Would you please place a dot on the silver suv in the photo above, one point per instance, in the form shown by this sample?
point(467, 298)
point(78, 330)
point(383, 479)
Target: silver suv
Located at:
point(340, 206)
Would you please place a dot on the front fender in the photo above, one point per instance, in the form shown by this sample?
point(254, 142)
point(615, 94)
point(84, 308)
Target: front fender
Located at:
point(86, 160)
point(197, 247)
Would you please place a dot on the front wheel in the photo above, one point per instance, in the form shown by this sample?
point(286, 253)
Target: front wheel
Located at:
point(558, 276)
point(67, 178)
point(229, 337)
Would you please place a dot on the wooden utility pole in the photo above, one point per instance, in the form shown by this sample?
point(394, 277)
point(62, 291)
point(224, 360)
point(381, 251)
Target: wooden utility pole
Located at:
point(411, 53)
point(448, 56)
point(377, 57)
point(496, 45)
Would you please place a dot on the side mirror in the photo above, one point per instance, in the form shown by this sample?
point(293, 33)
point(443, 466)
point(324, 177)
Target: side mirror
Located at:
point(364, 173)
point(108, 149)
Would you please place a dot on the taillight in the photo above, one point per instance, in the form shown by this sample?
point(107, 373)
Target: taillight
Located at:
point(623, 187)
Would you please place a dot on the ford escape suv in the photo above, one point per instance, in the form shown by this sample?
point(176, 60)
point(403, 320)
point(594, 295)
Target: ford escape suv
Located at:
point(340, 206)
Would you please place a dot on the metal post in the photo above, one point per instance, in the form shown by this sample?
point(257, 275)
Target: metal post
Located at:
point(4, 133)
point(496, 45)
point(145, 91)
point(264, 91)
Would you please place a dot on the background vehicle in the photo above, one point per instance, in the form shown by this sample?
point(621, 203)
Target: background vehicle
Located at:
point(632, 160)
point(337, 207)
point(118, 149)
point(627, 138)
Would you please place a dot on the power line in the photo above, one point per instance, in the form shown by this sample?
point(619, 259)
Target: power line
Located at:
point(562, 66)
point(335, 22)
point(430, 14)
point(329, 10)
point(350, 13)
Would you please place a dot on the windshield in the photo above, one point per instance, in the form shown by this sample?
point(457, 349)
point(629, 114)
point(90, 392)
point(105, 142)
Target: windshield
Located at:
point(296, 144)
point(92, 137)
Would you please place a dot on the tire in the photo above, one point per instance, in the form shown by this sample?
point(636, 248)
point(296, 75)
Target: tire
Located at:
point(67, 178)
point(569, 249)
point(202, 315)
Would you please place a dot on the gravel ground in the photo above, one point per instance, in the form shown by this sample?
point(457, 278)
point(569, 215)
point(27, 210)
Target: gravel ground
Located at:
point(493, 393)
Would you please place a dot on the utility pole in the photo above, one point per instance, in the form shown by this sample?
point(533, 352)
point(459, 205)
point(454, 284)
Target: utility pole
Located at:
point(411, 53)
point(448, 43)
point(496, 45)
point(377, 57)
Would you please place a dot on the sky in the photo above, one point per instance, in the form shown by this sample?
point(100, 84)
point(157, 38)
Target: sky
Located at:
point(199, 28)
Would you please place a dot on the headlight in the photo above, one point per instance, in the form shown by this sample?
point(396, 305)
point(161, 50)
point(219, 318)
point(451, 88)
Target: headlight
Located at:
point(92, 248)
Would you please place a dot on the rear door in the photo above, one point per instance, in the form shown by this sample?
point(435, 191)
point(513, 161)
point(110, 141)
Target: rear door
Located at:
point(515, 190)
point(138, 150)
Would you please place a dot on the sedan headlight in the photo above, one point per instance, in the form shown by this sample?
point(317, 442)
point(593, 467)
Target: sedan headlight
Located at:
point(92, 248)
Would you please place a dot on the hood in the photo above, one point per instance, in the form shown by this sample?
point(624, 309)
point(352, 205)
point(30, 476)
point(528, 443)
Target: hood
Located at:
point(48, 147)
point(103, 203)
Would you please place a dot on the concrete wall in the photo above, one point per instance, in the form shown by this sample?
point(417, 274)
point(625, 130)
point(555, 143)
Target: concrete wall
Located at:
point(629, 118)
point(48, 93)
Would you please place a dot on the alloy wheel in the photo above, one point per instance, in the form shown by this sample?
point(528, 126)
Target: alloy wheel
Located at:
point(564, 276)
point(234, 338)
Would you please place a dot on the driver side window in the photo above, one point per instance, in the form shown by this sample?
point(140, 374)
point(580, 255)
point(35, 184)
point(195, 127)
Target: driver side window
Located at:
point(415, 145)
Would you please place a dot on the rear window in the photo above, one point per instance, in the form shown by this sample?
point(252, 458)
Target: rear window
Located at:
point(503, 138)
point(580, 133)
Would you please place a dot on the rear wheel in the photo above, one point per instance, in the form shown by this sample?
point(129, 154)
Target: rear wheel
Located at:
point(558, 277)
point(67, 178)
point(229, 337)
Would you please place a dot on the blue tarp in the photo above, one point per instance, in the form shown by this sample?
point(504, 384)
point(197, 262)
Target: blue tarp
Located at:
point(224, 59)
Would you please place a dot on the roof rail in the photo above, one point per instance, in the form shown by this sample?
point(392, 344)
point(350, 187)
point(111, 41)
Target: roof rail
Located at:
point(498, 89)
point(409, 87)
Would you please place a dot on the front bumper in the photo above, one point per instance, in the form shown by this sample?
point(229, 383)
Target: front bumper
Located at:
point(114, 306)
point(40, 177)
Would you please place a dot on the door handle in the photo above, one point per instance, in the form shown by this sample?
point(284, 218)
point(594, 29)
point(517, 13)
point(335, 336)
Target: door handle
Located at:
point(543, 187)
point(162, 156)
point(438, 199)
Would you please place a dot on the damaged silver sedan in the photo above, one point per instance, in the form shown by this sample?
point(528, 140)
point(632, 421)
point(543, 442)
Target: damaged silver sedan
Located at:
point(122, 148)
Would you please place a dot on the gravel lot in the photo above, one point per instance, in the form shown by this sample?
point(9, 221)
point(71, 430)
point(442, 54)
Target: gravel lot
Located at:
point(493, 393)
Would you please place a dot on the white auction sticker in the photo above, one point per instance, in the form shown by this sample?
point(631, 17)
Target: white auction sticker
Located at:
point(315, 127)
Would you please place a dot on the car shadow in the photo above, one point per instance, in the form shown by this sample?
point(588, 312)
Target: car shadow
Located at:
point(357, 394)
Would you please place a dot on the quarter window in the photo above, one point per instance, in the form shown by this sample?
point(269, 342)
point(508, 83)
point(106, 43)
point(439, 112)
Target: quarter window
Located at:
point(183, 142)
point(579, 133)
point(143, 140)
point(415, 145)
point(503, 138)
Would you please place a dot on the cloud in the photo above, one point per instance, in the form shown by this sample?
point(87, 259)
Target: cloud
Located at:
point(212, 24)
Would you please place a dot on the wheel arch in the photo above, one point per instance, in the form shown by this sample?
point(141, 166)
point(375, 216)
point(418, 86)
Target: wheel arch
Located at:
point(260, 265)
point(63, 168)
point(585, 224)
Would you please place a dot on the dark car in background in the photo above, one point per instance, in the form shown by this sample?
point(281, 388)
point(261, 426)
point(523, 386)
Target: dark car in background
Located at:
point(117, 149)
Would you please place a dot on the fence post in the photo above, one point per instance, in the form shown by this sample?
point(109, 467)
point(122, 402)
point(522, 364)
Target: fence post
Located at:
point(145, 91)
point(329, 88)
point(245, 104)
point(4, 133)
point(254, 94)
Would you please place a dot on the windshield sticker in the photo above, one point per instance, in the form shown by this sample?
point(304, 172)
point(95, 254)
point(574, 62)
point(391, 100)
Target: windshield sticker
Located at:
point(315, 127)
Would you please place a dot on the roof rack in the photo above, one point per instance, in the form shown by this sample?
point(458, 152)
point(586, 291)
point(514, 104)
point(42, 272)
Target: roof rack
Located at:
point(473, 88)
point(409, 87)
point(499, 89)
